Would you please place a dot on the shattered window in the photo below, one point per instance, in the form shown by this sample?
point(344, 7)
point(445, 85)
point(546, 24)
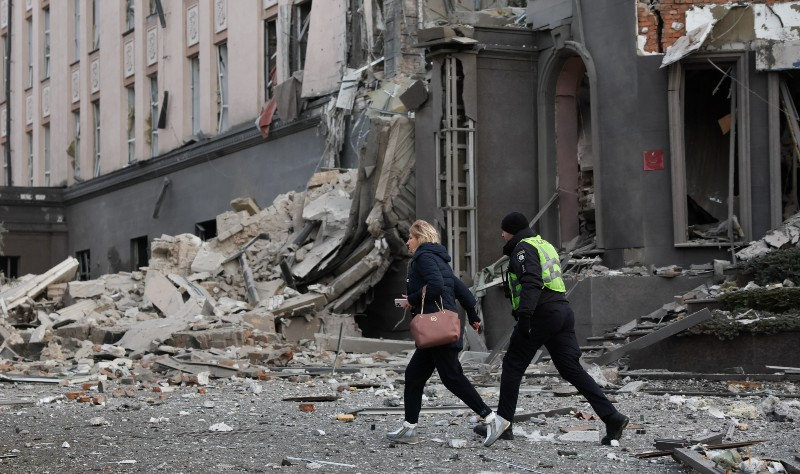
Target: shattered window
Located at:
point(84, 265)
point(710, 194)
point(790, 143)
point(301, 18)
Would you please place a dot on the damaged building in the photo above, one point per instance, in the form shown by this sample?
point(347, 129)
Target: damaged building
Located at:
point(643, 134)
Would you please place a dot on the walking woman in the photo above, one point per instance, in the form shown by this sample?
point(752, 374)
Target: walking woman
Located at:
point(429, 271)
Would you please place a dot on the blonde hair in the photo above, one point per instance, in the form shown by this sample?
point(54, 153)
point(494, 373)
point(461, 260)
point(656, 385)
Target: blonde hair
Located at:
point(424, 232)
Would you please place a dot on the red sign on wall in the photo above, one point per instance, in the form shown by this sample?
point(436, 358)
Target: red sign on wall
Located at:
point(653, 160)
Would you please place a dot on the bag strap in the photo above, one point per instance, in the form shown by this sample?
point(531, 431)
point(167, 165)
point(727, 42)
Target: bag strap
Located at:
point(439, 305)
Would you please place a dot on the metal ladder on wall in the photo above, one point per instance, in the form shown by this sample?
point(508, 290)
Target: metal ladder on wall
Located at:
point(455, 184)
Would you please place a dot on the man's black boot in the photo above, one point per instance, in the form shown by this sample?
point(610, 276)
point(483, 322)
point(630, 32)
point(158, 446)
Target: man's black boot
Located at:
point(615, 425)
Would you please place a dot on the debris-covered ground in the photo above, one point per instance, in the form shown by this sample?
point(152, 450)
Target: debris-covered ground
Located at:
point(222, 356)
point(140, 416)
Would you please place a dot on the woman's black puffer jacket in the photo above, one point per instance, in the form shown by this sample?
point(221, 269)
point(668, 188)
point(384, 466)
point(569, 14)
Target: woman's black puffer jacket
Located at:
point(429, 269)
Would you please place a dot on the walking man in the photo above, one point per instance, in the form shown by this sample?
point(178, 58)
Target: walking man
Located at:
point(544, 317)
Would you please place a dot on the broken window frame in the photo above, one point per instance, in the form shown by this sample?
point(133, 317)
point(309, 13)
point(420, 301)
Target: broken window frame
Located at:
point(154, 115)
point(130, 15)
point(76, 30)
point(84, 264)
point(95, 25)
point(46, 42)
point(301, 20)
point(222, 88)
point(76, 166)
point(96, 151)
point(47, 154)
point(131, 123)
point(270, 55)
point(676, 94)
point(194, 91)
point(29, 25)
point(30, 158)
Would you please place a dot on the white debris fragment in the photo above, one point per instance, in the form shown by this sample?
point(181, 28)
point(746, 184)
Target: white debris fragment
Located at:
point(49, 400)
point(457, 443)
point(220, 427)
point(99, 421)
point(160, 419)
point(65, 445)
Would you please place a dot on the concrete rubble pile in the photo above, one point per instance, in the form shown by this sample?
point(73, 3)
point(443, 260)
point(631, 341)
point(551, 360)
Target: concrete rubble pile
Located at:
point(271, 282)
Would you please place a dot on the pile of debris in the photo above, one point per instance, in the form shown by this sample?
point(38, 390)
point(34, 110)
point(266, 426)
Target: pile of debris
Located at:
point(271, 277)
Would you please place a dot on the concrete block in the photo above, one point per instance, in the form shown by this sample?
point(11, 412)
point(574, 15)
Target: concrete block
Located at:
point(162, 293)
point(77, 311)
point(302, 304)
point(245, 204)
point(86, 289)
point(218, 338)
point(270, 288)
point(299, 328)
point(120, 282)
point(260, 319)
point(141, 335)
point(207, 260)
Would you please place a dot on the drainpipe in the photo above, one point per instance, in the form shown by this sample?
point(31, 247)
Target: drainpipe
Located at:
point(7, 79)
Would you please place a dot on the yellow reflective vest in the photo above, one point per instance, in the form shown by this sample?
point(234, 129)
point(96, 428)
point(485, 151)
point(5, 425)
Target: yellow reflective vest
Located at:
point(551, 270)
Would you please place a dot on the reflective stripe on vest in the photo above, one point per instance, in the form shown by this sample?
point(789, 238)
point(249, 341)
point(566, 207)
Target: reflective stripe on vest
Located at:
point(551, 270)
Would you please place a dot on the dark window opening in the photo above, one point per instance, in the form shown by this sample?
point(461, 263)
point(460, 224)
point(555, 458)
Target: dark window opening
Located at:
point(139, 252)
point(707, 130)
point(206, 230)
point(301, 18)
point(271, 56)
point(9, 266)
point(85, 268)
point(790, 145)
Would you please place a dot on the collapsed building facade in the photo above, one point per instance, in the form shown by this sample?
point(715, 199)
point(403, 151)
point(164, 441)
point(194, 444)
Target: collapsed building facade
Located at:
point(634, 134)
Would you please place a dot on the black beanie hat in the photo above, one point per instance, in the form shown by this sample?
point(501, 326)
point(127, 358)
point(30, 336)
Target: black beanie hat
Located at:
point(514, 223)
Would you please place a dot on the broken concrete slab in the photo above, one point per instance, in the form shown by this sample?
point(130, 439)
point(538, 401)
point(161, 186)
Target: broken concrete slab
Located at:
point(162, 293)
point(86, 289)
point(328, 342)
point(299, 305)
point(75, 312)
point(141, 335)
point(654, 337)
point(246, 204)
point(207, 260)
point(34, 286)
point(260, 319)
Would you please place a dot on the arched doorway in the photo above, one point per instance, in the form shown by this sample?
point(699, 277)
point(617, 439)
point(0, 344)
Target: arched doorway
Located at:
point(568, 151)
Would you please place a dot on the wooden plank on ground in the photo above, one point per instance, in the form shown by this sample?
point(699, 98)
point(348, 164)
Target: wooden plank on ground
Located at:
point(656, 336)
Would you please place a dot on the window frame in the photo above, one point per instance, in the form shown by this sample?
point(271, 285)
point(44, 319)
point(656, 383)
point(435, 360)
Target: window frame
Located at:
point(130, 122)
point(676, 94)
point(223, 119)
point(96, 139)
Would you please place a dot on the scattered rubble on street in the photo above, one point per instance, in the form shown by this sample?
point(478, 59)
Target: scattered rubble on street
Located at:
point(243, 340)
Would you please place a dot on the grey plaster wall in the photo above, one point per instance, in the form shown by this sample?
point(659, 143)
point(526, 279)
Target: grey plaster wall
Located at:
point(506, 137)
point(621, 106)
point(106, 224)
